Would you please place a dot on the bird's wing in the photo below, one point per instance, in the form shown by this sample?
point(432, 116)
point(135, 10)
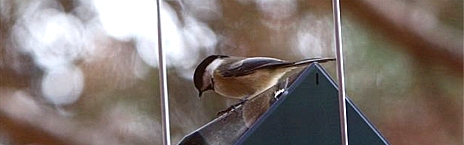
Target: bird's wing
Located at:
point(249, 65)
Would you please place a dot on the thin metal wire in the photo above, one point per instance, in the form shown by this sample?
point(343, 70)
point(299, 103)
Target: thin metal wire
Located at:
point(165, 126)
point(340, 71)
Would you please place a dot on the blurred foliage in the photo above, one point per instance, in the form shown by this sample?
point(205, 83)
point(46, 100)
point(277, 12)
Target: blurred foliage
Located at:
point(411, 99)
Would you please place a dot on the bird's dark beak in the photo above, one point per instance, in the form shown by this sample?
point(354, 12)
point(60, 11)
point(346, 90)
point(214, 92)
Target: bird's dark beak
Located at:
point(199, 94)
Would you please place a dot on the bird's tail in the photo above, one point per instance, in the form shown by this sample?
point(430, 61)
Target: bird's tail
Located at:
point(311, 60)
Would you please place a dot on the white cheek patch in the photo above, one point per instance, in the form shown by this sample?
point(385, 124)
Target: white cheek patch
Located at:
point(213, 66)
point(206, 81)
point(209, 72)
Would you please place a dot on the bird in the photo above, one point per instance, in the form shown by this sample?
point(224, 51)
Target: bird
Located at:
point(243, 77)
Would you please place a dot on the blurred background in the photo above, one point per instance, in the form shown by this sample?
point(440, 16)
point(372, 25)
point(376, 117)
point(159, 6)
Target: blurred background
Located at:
point(86, 71)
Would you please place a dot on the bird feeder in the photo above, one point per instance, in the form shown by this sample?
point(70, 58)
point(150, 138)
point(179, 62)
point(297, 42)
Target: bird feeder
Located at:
point(307, 112)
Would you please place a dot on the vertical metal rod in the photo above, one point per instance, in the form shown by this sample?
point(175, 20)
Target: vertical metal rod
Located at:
point(165, 126)
point(340, 71)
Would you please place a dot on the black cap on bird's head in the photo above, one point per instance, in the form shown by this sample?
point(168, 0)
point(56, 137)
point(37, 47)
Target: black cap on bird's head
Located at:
point(201, 80)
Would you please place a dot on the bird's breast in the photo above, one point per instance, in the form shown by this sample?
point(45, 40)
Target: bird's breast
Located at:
point(247, 85)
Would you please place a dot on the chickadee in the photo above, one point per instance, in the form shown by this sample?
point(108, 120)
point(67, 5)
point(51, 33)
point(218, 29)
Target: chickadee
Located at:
point(243, 78)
